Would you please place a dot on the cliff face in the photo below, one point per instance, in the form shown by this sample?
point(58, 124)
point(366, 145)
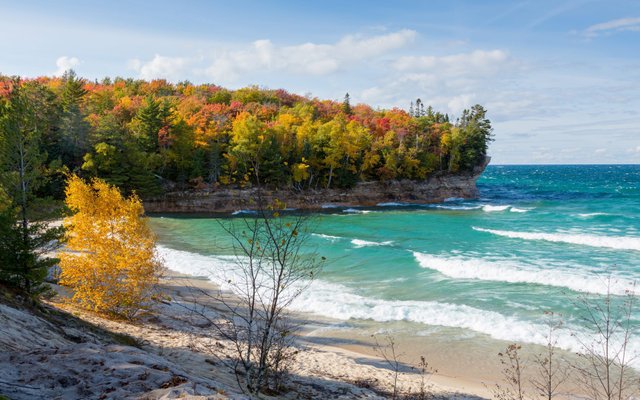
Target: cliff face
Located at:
point(433, 190)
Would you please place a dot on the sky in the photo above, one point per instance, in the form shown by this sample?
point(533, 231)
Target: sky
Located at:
point(560, 78)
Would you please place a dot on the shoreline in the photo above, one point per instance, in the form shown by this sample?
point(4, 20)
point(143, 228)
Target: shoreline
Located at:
point(466, 367)
point(323, 350)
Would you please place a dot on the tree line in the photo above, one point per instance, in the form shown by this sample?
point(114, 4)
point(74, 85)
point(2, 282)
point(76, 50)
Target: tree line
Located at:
point(146, 136)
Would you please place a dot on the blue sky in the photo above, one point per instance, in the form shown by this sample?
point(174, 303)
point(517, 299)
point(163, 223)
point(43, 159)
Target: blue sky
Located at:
point(560, 79)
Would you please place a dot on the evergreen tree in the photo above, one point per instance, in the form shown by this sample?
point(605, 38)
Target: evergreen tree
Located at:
point(346, 105)
point(419, 110)
point(150, 119)
point(23, 263)
point(74, 138)
point(21, 171)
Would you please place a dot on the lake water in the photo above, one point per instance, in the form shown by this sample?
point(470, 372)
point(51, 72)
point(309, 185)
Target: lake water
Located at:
point(537, 239)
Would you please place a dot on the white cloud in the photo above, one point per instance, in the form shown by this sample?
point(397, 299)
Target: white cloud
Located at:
point(620, 24)
point(160, 67)
point(460, 102)
point(449, 83)
point(306, 58)
point(64, 64)
point(600, 151)
point(478, 61)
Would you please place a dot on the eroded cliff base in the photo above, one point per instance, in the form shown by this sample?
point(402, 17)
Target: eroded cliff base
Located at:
point(364, 194)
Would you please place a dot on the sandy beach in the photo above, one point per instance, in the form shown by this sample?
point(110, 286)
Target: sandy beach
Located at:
point(349, 356)
point(171, 352)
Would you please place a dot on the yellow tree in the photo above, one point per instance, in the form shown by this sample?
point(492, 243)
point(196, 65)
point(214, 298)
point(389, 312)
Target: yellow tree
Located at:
point(110, 262)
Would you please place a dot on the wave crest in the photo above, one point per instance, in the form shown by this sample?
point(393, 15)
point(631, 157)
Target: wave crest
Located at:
point(508, 271)
point(365, 243)
point(612, 242)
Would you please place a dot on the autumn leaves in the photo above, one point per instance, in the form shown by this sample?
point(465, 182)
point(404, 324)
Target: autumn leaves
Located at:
point(110, 259)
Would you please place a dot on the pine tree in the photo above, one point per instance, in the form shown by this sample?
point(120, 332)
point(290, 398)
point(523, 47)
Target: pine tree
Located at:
point(419, 111)
point(346, 105)
point(21, 172)
point(150, 120)
point(74, 141)
point(23, 263)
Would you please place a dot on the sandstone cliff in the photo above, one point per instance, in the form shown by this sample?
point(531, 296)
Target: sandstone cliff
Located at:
point(433, 190)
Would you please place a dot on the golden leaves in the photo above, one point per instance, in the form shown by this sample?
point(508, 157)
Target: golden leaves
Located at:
point(110, 261)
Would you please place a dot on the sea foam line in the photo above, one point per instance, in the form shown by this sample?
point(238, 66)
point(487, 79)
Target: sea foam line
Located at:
point(593, 214)
point(507, 271)
point(337, 301)
point(358, 243)
point(365, 243)
point(490, 208)
point(355, 211)
point(327, 237)
point(340, 302)
point(613, 242)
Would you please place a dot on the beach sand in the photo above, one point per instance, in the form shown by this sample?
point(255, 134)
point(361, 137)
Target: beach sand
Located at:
point(467, 366)
point(329, 364)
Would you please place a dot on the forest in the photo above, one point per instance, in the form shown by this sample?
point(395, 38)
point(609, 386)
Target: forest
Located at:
point(149, 137)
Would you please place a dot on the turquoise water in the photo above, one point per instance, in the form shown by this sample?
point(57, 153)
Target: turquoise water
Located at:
point(537, 239)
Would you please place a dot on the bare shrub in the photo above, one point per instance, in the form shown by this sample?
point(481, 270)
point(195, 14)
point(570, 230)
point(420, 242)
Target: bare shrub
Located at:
point(424, 391)
point(387, 349)
point(389, 353)
point(513, 366)
point(269, 272)
point(604, 367)
point(551, 371)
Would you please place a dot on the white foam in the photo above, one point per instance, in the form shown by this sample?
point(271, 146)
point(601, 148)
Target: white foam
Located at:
point(593, 214)
point(456, 207)
point(195, 264)
point(225, 271)
point(513, 272)
point(612, 242)
point(355, 211)
point(328, 237)
point(340, 302)
point(329, 206)
point(393, 204)
point(520, 210)
point(451, 199)
point(365, 243)
point(240, 212)
point(490, 208)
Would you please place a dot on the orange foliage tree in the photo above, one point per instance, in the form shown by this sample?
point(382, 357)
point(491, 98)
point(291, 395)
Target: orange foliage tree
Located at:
point(110, 262)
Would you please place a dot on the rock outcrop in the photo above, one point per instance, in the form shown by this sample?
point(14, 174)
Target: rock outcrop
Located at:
point(365, 194)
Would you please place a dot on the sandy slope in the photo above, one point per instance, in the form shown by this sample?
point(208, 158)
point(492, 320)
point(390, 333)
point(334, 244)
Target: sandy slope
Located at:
point(179, 355)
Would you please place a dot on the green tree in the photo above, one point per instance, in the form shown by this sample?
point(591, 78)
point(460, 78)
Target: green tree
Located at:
point(346, 105)
point(23, 241)
point(74, 130)
point(149, 121)
point(117, 159)
point(476, 134)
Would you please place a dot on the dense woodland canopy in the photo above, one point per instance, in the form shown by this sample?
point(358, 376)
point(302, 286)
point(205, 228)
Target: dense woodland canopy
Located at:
point(150, 136)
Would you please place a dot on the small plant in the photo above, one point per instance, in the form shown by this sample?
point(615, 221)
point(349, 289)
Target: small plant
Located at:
point(551, 370)
point(604, 365)
point(424, 390)
point(387, 350)
point(513, 367)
